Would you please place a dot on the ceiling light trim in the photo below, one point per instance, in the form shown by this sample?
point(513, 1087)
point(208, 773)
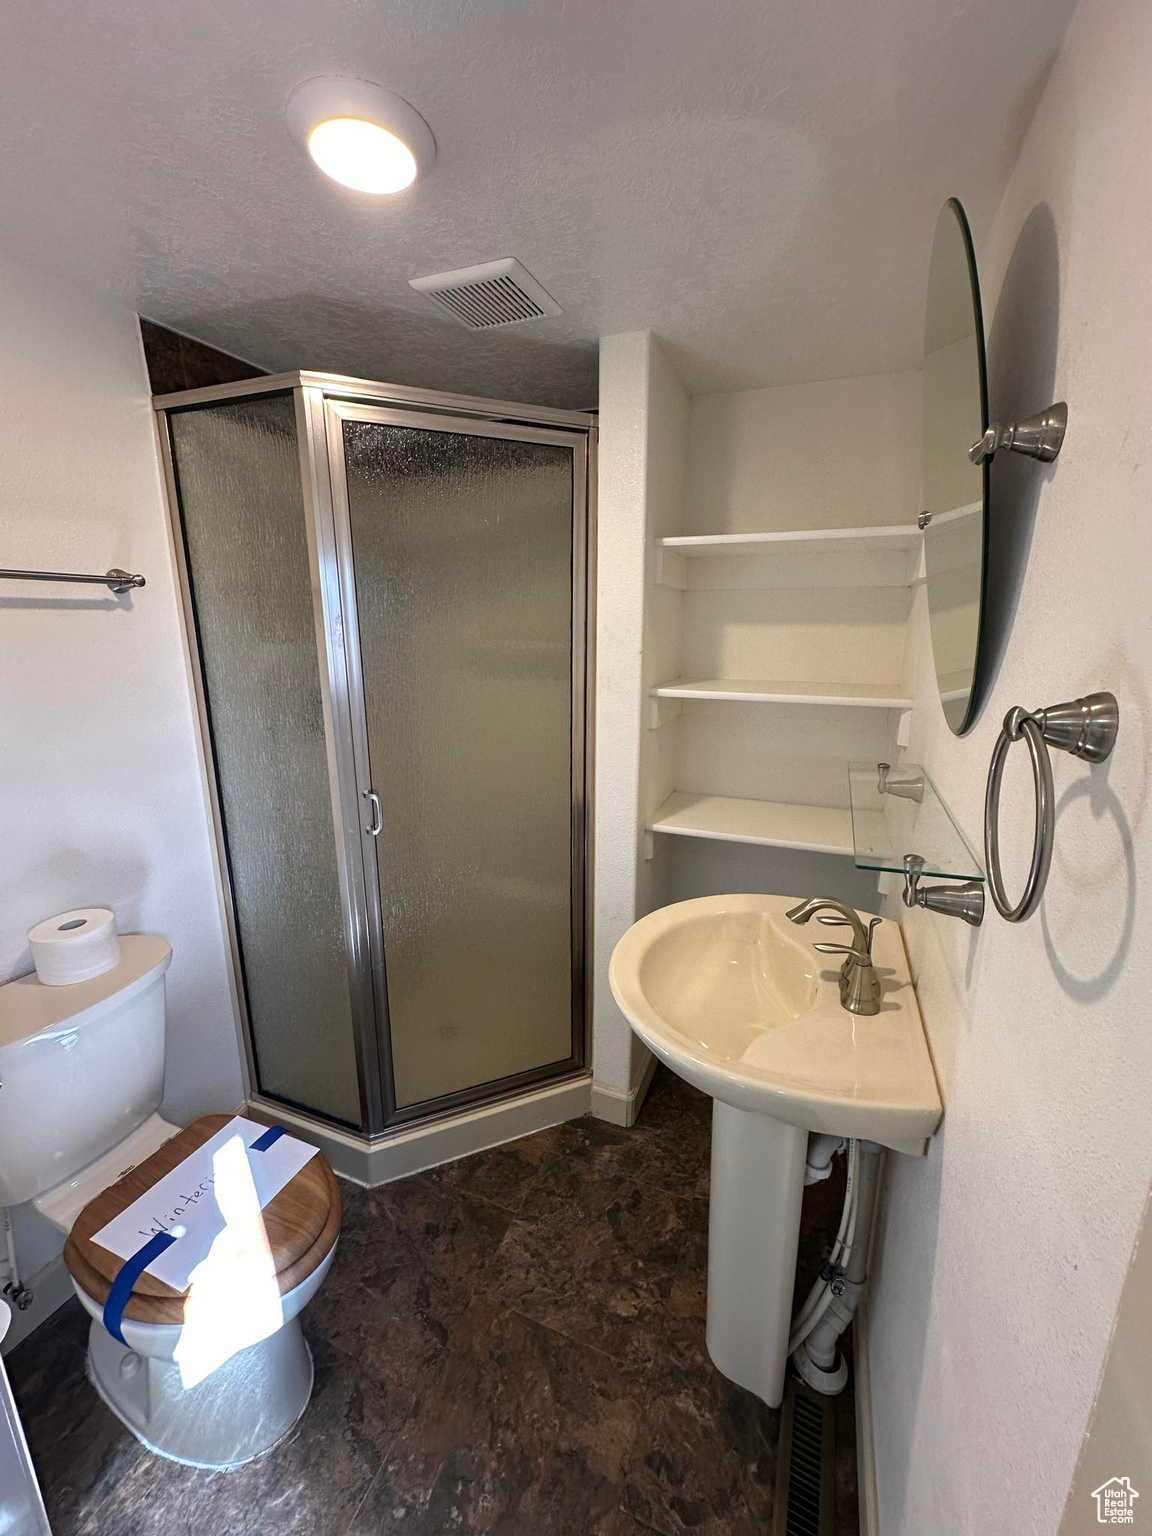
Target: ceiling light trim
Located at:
point(324, 98)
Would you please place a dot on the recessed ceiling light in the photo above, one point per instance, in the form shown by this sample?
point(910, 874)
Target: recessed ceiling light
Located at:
point(360, 134)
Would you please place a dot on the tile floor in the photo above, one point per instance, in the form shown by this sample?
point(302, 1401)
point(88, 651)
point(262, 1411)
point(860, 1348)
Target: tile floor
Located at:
point(512, 1344)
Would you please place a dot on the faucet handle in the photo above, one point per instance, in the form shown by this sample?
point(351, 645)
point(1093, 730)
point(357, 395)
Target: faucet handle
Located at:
point(861, 956)
point(842, 922)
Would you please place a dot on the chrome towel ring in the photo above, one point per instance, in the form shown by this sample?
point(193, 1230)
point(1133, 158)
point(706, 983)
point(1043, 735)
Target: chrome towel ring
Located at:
point(1086, 728)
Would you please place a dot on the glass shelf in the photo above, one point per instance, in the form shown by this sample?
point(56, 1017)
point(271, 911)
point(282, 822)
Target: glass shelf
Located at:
point(907, 816)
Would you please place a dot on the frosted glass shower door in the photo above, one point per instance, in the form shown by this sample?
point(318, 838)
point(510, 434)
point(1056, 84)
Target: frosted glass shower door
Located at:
point(243, 520)
point(460, 541)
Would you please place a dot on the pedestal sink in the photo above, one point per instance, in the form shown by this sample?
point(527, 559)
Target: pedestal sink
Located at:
point(732, 997)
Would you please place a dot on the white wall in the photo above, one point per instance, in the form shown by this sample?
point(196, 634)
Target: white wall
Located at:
point(826, 455)
point(668, 417)
point(643, 433)
point(1004, 1252)
point(1118, 1441)
point(620, 559)
point(101, 789)
point(813, 634)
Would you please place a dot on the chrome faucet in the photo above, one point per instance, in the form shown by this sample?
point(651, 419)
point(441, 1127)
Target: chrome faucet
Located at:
point(859, 983)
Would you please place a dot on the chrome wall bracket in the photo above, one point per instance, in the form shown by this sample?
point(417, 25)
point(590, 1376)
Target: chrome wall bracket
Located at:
point(1085, 728)
point(964, 900)
point(1040, 436)
point(904, 789)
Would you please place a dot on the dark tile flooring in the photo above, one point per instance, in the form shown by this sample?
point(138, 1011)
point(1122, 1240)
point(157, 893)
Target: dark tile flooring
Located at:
point(512, 1344)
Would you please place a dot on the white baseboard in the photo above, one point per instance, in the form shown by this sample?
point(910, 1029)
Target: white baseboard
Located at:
point(51, 1287)
point(618, 1107)
point(865, 1443)
point(398, 1154)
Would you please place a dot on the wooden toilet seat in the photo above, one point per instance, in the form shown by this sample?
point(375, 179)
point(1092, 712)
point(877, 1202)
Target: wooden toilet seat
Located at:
point(301, 1225)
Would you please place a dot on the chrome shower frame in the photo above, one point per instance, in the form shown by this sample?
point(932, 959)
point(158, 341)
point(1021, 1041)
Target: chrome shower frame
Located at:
point(321, 401)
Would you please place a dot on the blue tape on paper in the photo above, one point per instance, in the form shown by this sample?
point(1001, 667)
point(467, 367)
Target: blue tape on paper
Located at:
point(130, 1272)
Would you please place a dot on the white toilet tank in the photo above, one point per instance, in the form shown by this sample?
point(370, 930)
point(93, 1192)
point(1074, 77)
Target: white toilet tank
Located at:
point(81, 1067)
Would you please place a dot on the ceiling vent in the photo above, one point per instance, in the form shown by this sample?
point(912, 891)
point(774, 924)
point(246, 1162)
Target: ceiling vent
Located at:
point(493, 294)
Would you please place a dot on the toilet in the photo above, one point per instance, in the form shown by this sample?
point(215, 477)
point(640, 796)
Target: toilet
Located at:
point(214, 1376)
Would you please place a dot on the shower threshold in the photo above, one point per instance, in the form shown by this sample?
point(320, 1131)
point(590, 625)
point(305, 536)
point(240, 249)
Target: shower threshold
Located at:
point(413, 1148)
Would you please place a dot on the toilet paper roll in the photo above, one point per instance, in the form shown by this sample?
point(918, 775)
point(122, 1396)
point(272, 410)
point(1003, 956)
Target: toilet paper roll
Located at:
point(74, 946)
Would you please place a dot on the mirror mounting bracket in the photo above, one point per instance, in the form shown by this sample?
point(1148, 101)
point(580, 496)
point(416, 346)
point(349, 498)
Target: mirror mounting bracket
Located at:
point(1040, 436)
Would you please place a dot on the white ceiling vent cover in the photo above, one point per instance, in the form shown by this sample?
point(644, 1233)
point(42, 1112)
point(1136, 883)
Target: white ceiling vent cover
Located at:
point(493, 294)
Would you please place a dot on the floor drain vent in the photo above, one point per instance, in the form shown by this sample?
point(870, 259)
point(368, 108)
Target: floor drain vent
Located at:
point(804, 1471)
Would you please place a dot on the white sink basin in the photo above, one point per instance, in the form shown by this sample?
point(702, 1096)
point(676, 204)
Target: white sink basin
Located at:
point(733, 997)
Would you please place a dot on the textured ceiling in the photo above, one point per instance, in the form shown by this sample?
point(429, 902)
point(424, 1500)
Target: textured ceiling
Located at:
point(755, 180)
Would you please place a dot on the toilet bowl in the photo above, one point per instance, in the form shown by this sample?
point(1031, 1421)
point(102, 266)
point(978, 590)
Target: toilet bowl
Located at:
point(244, 1408)
point(213, 1376)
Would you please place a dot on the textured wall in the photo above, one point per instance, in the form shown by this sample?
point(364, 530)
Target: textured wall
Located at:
point(666, 514)
point(1004, 1252)
point(1119, 1439)
point(643, 439)
point(101, 791)
point(621, 482)
point(837, 454)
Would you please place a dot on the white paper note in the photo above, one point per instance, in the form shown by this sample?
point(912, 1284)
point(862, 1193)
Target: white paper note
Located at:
point(189, 1203)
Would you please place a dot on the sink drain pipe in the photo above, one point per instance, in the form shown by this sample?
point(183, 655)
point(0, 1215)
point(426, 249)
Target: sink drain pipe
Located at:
point(821, 1151)
point(832, 1302)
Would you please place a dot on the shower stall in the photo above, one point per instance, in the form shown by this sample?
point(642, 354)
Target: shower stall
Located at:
point(386, 597)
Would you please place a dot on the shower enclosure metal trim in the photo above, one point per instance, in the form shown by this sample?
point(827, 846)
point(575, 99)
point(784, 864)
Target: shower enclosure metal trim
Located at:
point(322, 402)
point(337, 413)
point(337, 386)
point(341, 769)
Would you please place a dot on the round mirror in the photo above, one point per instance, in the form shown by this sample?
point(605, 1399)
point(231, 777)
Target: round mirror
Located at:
point(955, 490)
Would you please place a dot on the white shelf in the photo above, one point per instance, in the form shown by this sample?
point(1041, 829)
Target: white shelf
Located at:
point(774, 691)
point(709, 545)
point(768, 823)
point(806, 557)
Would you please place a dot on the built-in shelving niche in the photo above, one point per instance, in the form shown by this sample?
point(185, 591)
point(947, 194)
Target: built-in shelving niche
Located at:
point(752, 752)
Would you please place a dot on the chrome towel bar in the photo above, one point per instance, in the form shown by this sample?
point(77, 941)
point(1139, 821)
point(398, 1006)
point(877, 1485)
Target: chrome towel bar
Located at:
point(115, 580)
point(1086, 728)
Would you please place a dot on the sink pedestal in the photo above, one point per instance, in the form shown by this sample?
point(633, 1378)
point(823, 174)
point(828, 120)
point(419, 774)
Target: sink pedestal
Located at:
point(727, 994)
point(753, 1233)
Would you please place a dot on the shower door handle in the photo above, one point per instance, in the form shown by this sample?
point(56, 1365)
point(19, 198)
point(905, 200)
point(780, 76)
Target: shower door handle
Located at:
point(377, 816)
